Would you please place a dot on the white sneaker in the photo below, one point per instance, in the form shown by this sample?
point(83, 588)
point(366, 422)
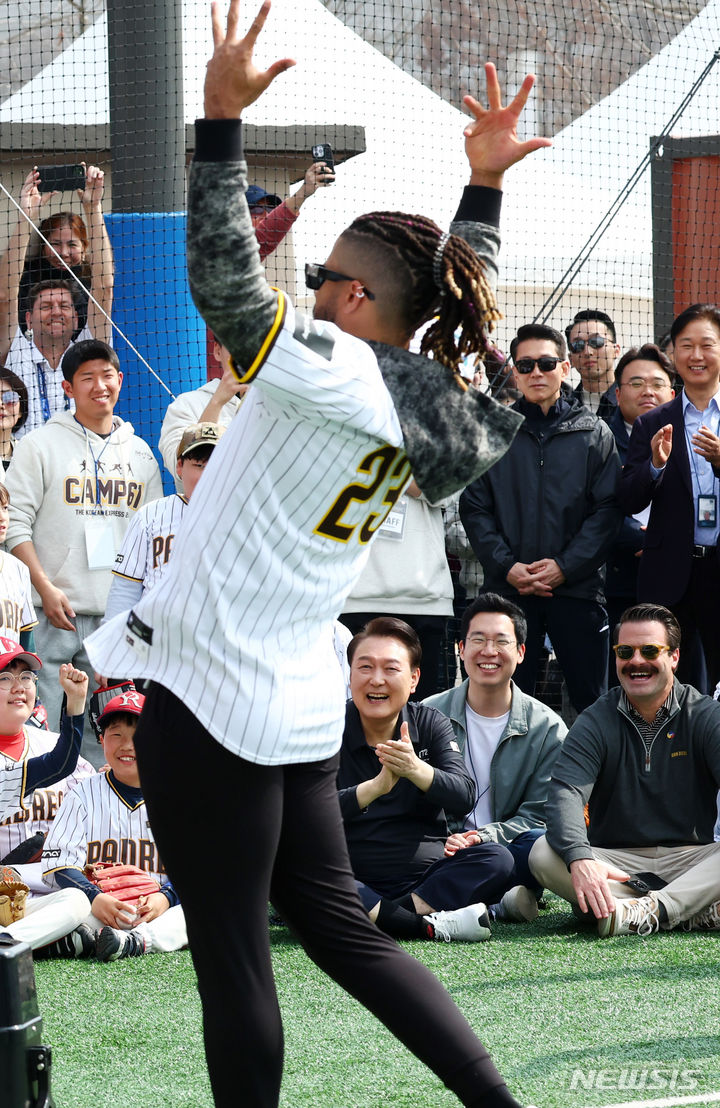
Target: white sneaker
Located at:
point(707, 920)
point(518, 905)
point(635, 916)
point(463, 925)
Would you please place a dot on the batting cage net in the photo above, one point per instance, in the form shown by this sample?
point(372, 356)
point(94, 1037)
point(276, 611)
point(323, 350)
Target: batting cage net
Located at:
point(620, 214)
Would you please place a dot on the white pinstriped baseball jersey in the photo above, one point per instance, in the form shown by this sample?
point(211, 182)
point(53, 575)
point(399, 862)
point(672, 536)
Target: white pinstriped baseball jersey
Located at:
point(271, 543)
point(12, 784)
point(16, 607)
point(41, 808)
point(96, 825)
point(148, 540)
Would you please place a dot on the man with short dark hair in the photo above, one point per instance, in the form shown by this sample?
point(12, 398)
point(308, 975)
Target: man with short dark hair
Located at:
point(593, 347)
point(509, 742)
point(338, 416)
point(400, 776)
point(75, 484)
point(673, 466)
point(543, 518)
point(52, 321)
point(643, 380)
point(645, 759)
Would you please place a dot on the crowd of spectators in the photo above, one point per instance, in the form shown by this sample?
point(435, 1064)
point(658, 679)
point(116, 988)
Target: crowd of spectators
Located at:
point(607, 497)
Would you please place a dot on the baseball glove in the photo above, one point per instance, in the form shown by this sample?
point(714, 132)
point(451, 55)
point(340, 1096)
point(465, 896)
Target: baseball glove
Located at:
point(123, 882)
point(13, 894)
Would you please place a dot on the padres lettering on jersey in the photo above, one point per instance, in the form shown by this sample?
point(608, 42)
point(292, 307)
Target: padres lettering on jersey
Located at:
point(148, 541)
point(95, 824)
point(42, 807)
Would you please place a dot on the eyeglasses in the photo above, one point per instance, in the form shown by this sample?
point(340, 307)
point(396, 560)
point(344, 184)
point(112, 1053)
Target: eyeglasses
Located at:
point(316, 275)
point(7, 680)
point(482, 641)
point(546, 364)
point(649, 650)
point(636, 383)
point(596, 341)
point(7, 398)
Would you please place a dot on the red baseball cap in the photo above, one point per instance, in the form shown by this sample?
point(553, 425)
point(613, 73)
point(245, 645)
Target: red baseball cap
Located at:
point(128, 703)
point(11, 651)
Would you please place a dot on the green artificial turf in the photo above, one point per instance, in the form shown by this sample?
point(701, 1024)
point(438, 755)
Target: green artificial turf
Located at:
point(559, 1010)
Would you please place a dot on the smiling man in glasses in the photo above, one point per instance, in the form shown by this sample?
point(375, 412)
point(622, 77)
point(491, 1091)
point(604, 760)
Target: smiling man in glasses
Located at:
point(593, 347)
point(542, 520)
point(645, 759)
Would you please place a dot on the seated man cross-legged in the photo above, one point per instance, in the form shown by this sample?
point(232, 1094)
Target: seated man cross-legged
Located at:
point(646, 760)
point(400, 772)
point(509, 742)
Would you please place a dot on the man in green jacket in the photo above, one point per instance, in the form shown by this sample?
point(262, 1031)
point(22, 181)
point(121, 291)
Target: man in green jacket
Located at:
point(509, 742)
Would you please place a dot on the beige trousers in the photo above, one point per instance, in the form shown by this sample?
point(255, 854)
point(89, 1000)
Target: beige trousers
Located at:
point(692, 874)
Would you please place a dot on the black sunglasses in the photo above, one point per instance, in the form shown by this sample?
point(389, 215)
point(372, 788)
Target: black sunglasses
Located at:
point(649, 650)
point(596, 341)
point(316, 275)
point(546, 364)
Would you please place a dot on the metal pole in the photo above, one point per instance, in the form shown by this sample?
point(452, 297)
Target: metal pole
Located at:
point(147, 125)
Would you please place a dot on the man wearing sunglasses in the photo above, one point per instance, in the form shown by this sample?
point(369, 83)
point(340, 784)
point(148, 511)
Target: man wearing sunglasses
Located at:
point(238, 635)
point(542, 520)
point(645, 759)
point(593, 347)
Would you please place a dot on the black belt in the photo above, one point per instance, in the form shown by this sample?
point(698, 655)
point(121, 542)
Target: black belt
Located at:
point(703, 551)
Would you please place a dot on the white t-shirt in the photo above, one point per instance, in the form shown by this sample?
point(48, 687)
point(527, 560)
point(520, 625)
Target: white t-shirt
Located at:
point(241, 623)
point(483, 737)
point(44, 384)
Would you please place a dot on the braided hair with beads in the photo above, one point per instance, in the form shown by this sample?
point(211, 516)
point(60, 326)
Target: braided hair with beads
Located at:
point(439, 277)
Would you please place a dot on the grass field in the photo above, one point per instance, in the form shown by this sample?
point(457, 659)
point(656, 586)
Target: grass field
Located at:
point(570, 1020)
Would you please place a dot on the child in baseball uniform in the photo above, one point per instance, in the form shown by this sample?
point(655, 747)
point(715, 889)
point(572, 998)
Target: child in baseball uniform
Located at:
point(46, 917)
point(17, 614)
point(147, 545)
point(104, 819)
point(21, 774)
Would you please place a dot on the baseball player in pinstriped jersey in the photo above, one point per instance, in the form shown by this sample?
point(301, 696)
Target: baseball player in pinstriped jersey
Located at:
point(148, 541)
point(237, 636)
point(17, 614)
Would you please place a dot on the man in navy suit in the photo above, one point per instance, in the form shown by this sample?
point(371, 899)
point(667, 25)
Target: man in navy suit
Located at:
point(644, 380)
point(673, 464)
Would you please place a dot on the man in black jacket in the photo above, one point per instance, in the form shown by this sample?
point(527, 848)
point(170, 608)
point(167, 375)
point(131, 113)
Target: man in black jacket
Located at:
point(401, 774)
point(542, 520)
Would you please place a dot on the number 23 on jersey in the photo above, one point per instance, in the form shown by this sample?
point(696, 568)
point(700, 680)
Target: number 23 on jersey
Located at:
point(387, 466)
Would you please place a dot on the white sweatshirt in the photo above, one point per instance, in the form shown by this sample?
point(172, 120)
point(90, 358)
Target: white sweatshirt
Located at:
point(73, 494)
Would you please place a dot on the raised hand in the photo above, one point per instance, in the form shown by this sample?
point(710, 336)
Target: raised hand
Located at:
point(31, 199)
point(491, 141)
point(661, 445)
point(92, 194)
point(233, 81)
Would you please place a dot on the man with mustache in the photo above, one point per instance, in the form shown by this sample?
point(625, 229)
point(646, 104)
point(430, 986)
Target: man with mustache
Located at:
point(645, 759)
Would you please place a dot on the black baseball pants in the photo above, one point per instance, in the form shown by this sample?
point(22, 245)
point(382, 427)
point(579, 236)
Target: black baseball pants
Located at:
point(275, 833)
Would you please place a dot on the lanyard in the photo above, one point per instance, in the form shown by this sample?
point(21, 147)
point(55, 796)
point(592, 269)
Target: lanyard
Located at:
point(96, 463)
point(42, 389)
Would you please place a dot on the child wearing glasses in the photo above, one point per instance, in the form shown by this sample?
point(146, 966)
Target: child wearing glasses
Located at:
point(21, 774)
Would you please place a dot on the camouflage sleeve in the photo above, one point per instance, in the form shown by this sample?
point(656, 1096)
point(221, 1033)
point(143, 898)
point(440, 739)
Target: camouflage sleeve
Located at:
point(478, 222)
point(226, 278)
